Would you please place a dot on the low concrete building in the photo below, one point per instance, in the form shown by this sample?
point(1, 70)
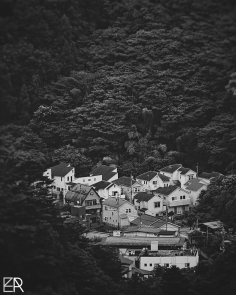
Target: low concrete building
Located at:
point(179, 258)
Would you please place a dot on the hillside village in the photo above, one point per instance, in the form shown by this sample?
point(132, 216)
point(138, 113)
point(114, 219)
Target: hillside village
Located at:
point(139, 212)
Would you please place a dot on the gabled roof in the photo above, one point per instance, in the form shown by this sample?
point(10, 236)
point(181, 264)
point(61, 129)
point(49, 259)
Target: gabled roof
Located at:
point(125, 260)
point(171, 168)
point(194, 184)
point(184, 170)
point(210, 175)
point(105, 171)
point(115, 202)
point(61, 169)
point(102, 185)
point(124, 181)
point(143, 196)
point(145, 219)
point(78, 193)
point(163, 177)
point(213, 224)
point(166, 190)
point(147, 175)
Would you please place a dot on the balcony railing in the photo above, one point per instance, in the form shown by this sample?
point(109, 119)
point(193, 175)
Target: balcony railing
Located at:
point(179, 202)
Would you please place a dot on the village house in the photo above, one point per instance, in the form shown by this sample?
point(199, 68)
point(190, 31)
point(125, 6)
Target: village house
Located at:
point(108, 173)
point(207, 177)
point(172, 172)
point(151, 180)
point(118, 212)
point(107, 189)
point(195, 186)
point(175, 198)
point(124, 183)
point(152, 204)
point(186, 174)
point(62, 175)
point(87, 196)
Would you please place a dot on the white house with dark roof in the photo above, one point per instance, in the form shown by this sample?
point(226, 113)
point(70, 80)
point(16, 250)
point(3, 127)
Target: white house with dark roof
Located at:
point(195, 186)
point(118, 212)
point(151, 180)
point(172, 172)
point(125, 183)
point(175, 198)
point(207, 177)
point(108, 173)
point(152, 204)
point(62, 175)
point(107, 189)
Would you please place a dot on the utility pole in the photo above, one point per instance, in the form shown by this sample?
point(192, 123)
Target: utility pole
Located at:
point(197, 170)
point(131, 187)
point(166, 216)
point(118, 213)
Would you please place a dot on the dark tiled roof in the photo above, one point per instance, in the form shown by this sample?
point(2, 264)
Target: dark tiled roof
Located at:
point(166, 190)
point(143, 229)
point(194, 184)
point(143, 196)
point(143, 241)
point(124, 180)
point(147, 175)
point(142, 271)
point(184, 170)
point(210, 175)
point(125, 260)
point(167, 232)
point(105, 171)
point(163, 177)
point(101, 184)
point(61, 169)
point(78, 193)
point(145, 219)
point(115, 202)
point(171, 168)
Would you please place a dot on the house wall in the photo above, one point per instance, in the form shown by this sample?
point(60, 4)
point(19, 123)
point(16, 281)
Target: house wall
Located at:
point(149, 185)
point(152, 210)
point(126, 190)
point(195, 194)
point(90, 180)
point(149, 263)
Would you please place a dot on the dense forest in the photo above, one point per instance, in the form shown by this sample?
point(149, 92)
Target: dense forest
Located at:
point(138, 83)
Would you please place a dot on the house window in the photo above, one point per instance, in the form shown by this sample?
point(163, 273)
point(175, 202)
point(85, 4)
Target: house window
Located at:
point(154, 182)
point(190, 176)
point(71, 178)
point(150, 264)
point(129, 210)
point(69, 188)
point(112, 213)
point(91, 193)
point(62, 189)
point(89, 179)
point(83, 180)
point(54, 187)
point(106, 218)
point(166, 264)
point(174, 198)
point(94, 179)
point(105, 207)
point(145, 264)
point(68, 178)
point(110, 218)
point(61, 178)
point(183, 197)
point(58, 189)
point(94, 202)
point(180, 197)
point(90, 203)
point(187, 264)
point(157, 204)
